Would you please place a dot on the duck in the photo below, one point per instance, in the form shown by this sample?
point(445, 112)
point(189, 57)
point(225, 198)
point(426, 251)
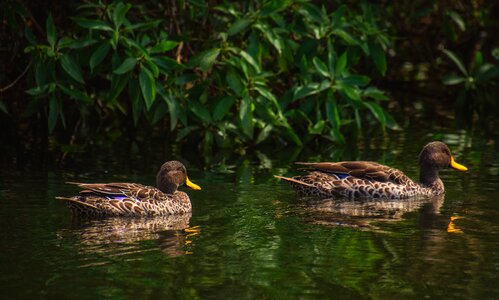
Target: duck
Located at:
point(133, 199)
point(366, 179)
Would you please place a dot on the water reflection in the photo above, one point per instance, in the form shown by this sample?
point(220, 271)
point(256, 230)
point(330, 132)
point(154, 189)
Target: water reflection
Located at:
point(363, 213)
point(171, 232)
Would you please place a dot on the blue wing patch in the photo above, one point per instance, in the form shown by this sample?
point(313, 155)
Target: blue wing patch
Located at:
point(341, 175)
point(120, 198)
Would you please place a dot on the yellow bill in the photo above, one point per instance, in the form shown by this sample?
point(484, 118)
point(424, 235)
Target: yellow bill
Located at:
point(191, 184)
point(457, 166)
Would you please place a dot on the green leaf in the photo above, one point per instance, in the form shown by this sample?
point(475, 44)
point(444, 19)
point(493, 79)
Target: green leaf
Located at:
point(3, 107)
point(316, 128)
point(271, 8)
point(119, 13)
point(147, 86)
point(152, 67)
point(495, 53)
point(357, 80)
point(235, 82)
point(42, 70)
point(250, 60)
point(166, 64)
point(208, 58)
point(486, 72)
point(374, 93)
point(310, 89)
point(457, 61)
point(457, 19)
point(311, 12)
point(478, 60)
point(291, 135)
point(453, 79)
point(93, 24)
point(222, 108)
point(337, 136)
point(332, 110)
point(390, 122)
point(163, 46)
point(115, 38)
point(182, 133)
point(99, 55)
point(30, 37)
point(238, 26)
point(118, 83)
point(74, 93)
point(246, 116)
point(199, 110)
point(263, 111)
point(65, 42)
point(351, 91)
point(53, 113)
point(38, 90)
point(127, 65)
point(71, 67)
point(347, 37)
point(264, 133)
point(78, 44)
point(266, 93)
point(143, 26)
point(378, 56)
point(159, 112)
point(134, 92)
point(271, 36)
point(358, 121)
point(377, 111)
point(173, 107)
point(341, 64)
point(51, 31)
point(321, 67)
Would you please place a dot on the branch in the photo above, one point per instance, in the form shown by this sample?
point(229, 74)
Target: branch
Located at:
point(17, 79)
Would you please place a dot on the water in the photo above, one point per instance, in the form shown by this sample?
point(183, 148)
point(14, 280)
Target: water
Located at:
point(250, 237)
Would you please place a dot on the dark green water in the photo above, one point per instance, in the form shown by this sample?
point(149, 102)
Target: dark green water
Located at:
point(249, 237)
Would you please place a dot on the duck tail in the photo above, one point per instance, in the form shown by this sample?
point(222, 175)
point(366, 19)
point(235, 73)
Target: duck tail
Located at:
point(293, 180)
point(77, 202)
point(75, 183)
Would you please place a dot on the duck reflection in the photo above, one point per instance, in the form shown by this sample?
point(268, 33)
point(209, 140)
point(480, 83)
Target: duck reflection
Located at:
point(172, 233)
point(363, 213)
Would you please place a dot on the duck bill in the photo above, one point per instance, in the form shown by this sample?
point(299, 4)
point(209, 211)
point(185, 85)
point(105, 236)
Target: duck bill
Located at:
point(457, 166)
point(191, 184)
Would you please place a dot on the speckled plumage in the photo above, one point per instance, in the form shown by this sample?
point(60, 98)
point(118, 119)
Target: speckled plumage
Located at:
point(364, 179)
point(132, 199)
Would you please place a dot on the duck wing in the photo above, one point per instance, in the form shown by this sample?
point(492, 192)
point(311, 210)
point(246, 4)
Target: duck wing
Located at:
point(366, 170)
point(117, 198)
point(121, 189)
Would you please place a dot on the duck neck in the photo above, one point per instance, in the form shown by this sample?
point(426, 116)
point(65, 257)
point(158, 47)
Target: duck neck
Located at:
point(428, 176)
point(166, 186)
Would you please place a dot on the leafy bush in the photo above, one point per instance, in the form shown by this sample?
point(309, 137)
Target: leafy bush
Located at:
point(477, 92)
point(233, 73)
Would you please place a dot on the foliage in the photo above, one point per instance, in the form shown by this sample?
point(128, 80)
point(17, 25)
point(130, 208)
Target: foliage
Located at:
point(476, 83)
point(283, 69)
point(470, 30)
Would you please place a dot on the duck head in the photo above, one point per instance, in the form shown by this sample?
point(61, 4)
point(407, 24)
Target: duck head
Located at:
point(171, 175)
point(434, 157)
